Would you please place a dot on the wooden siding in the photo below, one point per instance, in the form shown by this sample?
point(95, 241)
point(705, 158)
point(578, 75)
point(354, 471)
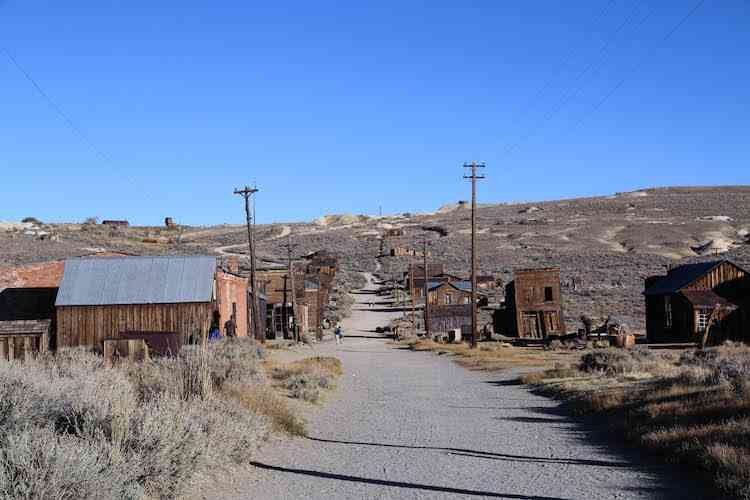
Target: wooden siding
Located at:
point(721, 275)
point(535, 316)
point(90, 325)
point(726, 280)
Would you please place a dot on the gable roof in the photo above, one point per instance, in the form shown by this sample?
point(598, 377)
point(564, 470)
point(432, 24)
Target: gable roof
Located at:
point(137, 280)
point(461, 286)
point(681, 276)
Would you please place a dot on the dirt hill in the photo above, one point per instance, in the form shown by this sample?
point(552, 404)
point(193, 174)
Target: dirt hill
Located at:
point(605, 245)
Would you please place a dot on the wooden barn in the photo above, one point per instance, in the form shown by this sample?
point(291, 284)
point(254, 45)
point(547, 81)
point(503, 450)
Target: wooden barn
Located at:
point(680, 304)
point(533, 305)
point(105, 298)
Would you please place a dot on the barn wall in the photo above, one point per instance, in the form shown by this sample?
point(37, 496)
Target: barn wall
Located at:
point(90, 325)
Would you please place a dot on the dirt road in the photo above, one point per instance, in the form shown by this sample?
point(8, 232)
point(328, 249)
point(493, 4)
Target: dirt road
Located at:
point(415, 425)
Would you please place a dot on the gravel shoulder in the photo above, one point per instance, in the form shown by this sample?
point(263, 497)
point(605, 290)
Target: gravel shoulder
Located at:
point(415, 425)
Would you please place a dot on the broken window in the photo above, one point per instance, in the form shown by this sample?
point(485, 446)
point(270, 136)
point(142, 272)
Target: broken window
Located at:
point(667, 312)
point(702, 319)
point(548, 295)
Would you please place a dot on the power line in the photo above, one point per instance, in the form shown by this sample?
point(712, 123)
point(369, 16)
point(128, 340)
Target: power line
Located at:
point(593, 67)
point(531, 103)
point(638, 65)
point(51, 102)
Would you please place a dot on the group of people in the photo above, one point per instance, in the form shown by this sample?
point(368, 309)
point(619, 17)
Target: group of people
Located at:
point(230, 329)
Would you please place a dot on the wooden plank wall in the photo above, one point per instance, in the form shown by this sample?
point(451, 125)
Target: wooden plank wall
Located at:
point(724, 273)
point(90, 325)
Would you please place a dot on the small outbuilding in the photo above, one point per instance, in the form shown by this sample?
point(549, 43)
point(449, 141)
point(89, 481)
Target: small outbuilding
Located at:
point(680, 304)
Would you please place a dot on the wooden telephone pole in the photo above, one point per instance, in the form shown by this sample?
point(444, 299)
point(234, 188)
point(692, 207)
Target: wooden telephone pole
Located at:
point(247, 193)
point(474, 166)
point(290, 248)
point(426, 290)
point(412, 272)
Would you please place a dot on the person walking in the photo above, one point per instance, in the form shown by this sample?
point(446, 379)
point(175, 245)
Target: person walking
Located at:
point(339, 333)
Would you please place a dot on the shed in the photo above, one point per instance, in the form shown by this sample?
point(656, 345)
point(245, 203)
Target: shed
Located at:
point(679, 304)
point(101, 298)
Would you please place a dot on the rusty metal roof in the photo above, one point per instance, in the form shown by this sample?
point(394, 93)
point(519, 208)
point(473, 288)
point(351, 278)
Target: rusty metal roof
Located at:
point(137, 280)
point(705, 298)
point(26, 327)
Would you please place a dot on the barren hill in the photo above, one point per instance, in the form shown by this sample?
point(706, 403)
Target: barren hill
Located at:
point(606, 245)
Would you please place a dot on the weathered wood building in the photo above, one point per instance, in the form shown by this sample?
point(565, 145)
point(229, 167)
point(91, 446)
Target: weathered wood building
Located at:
point(679, 304)
point(444, 318)
point(533, 305)
point(102, 298)
point(448, 293)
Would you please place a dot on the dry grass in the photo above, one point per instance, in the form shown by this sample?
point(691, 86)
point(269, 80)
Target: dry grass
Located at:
point(264, 400)
point(694, 408)
point(494, 355)
point(306, 379)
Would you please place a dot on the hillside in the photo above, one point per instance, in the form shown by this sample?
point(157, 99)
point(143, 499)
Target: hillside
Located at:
point(604, 245)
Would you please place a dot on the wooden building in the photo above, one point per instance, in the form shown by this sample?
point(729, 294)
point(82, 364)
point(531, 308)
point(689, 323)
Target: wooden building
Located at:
point(116, 223)
point(448, 293)
point(680, 303)
point(395, 232)
point(444, 318)
point(533, 305)
point(102, 298)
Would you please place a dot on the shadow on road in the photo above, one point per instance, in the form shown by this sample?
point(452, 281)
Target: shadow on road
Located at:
point(399, 484)
point(488, 455)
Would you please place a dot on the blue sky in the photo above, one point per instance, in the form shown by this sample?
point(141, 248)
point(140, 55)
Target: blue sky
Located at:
point(338, 107)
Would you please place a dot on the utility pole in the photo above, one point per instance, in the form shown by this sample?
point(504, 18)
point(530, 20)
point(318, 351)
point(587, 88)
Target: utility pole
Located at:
point(412, 290)
point(290, 248)
point(426, 289)
point(474, 166)
point(247, 193)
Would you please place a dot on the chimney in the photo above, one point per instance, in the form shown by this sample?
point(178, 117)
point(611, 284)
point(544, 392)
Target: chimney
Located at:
point(233, 264)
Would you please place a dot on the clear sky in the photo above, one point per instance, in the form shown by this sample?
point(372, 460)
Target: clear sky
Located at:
point(335, 107)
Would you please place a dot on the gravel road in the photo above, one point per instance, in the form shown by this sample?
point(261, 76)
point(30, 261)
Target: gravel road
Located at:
point(416, 425)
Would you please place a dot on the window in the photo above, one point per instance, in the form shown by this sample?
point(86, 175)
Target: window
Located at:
point(702, 319)
point(448, 299)
point(667, 312)
point(548, 295)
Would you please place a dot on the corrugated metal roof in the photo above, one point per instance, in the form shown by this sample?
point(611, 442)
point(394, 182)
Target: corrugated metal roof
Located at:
point(137, 280)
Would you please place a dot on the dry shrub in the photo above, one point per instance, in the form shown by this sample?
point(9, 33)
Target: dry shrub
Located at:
point(71, 429)
point(263, 400)
point(612, 361)
point(304, 379)
point(40, 463)
point(695, 409)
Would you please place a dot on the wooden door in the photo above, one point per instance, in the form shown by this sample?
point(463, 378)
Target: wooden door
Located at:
point(531, 325)
point(551, 322)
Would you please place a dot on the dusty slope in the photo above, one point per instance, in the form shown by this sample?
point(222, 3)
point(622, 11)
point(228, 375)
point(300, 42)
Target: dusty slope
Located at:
point(607, 245)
